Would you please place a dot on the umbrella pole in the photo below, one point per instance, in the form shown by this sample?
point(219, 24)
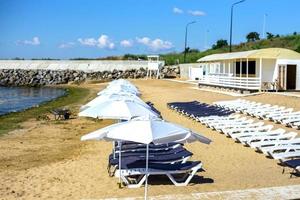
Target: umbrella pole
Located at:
point(120, 163)
point(147, 160)
point(114, 150)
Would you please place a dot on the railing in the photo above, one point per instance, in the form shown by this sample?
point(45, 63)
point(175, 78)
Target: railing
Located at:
point(224, 80)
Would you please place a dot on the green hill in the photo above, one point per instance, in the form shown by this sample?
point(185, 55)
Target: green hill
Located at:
point(289, 42)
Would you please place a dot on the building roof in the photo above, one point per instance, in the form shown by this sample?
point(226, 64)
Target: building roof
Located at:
point(269, 53)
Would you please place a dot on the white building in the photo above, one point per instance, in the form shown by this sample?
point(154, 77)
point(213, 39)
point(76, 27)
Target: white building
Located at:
point(272, 69)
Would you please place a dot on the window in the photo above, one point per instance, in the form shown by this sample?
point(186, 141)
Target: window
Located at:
point(251, 67)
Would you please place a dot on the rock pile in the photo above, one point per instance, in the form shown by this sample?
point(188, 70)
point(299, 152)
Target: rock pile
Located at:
point(20, 77)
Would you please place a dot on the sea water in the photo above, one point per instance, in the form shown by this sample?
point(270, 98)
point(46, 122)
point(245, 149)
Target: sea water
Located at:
point(14, 99)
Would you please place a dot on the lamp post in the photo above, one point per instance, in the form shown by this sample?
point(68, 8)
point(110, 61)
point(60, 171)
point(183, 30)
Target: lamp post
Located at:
point(186, 35)
point(264, 26)
point(232, 6)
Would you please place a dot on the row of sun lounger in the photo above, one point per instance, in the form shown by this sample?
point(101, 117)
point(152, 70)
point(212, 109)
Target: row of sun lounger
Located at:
point(277, 144)
point(278, 114)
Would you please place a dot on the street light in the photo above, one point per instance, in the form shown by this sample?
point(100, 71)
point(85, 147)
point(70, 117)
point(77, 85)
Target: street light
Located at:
point(232, 6)
point(264, 26)
point(185, 43)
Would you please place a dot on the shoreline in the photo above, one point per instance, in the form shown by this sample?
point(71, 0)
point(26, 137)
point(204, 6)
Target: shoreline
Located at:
point(11, 121)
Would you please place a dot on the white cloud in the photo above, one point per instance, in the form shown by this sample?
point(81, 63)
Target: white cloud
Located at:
point(35, 41)
point(126, 43)
point(102, 42)
point(88, 41)
point(156, 44)
point(177, 10)
point(66, 45)
point(144, 40)
point(196, 12)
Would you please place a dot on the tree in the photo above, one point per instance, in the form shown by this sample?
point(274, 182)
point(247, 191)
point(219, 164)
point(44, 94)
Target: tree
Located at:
point(252, 37)
point(270, 35)
point(298, 49)
point(220, 43)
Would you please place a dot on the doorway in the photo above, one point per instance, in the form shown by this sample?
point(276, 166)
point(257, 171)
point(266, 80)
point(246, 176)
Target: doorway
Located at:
point(291, 77)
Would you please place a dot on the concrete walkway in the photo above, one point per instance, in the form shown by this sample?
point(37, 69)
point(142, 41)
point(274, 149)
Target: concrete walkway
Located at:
point(280, 193)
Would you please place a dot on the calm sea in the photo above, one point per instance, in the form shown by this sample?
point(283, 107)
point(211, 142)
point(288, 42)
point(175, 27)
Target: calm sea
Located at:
point(13, 99)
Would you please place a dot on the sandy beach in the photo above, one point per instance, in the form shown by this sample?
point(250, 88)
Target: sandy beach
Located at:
point(47, 160)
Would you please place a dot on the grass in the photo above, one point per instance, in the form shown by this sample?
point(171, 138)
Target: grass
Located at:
point(12, 121)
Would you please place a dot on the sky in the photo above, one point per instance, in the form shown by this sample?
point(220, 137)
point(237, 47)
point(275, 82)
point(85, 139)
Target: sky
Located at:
point(97, 28)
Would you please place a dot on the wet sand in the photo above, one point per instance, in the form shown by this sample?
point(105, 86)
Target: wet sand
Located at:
point(46, 160)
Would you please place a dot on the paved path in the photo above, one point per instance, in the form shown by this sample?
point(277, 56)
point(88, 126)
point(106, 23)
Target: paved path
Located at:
point(280, 193)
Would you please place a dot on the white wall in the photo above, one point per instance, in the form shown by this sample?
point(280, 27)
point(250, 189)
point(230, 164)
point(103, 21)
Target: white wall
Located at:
point(268, 69)
point(82, 65)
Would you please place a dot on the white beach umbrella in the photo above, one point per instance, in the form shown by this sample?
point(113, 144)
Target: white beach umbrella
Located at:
point(123, 83)
point(145, 130)
point(117, 90)
point(113, 97)
point(123, 87)
point(119, 109)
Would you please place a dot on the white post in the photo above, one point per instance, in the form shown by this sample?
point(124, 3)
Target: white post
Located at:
point(147, 160)
point(120, 163)
point(260, 73)
point(241, 63)
point(114, 149)
point(247, 72)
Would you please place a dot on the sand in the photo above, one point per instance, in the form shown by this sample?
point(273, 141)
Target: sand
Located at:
point(46, 160)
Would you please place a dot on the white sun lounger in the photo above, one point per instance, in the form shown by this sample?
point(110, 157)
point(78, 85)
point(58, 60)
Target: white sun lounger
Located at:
point(285, 155)
point(296, 125)
point(261, 137)
point(262, 113)
point(248, 134)
point(293, 119)
point(269, 141)
point(279, 119)
point(252, 110)
point(241, 108)
point(225, 103)
point(205, 120)
point(141, 173)
point(240, 128)
point(237, 106)
point(232, 124)
point(217, 123)
point(280, 146)
point(275, 114)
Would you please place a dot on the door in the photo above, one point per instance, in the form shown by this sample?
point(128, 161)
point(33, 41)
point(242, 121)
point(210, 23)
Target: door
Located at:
point(291, 77)
point(281, 81)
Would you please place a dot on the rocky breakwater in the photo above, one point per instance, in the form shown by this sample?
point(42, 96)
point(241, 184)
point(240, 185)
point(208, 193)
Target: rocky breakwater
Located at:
point(21, 77)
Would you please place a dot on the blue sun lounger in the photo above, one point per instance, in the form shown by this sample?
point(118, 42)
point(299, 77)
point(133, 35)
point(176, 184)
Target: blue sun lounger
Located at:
point(180, 157)
point(151, 152)
point(137, 171)
point(294, 164)
point(136, 148)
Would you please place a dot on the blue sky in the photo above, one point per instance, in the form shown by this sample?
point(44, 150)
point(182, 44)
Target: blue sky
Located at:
point(96, 28)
